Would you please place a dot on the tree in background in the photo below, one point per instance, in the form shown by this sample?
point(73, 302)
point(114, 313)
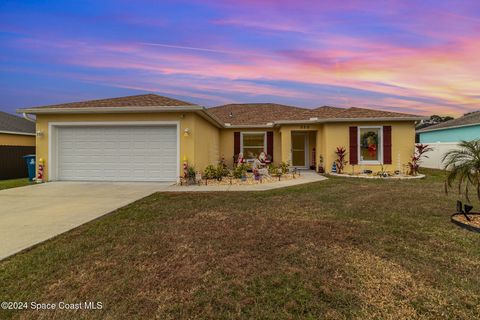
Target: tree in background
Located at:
point(438, 119)
point(434, 119)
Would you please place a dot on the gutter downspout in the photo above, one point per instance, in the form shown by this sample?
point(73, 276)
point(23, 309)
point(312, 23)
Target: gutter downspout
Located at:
point(25, 116)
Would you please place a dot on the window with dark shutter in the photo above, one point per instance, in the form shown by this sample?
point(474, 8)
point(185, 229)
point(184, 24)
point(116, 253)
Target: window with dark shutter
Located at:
point(353, 145)
point(270, 144)
point(236, 143)
point(387, 145)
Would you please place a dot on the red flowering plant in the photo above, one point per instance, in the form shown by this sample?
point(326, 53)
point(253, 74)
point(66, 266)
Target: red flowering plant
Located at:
point(414, 164)
point(341, 153)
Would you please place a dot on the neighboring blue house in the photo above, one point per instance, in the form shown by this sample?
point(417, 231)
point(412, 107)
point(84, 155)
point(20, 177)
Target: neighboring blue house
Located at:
point(445, 136)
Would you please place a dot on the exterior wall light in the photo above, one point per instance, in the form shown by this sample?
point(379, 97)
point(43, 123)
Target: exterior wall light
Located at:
point(39, 133)
point(187, 132)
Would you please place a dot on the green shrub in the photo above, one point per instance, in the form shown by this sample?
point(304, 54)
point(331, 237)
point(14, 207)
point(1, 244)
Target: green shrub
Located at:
point(240, 171)
point(210, 172)
point(222, 171)
point(285, 166)
point(272, 169)
point(191, 173)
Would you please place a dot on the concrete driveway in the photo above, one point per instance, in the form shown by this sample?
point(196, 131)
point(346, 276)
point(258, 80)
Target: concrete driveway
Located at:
point(32, 214)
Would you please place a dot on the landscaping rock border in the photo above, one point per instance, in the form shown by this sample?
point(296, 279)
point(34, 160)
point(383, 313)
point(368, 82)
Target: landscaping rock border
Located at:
point(464, 225)
point(344, 175)
point(250, 180)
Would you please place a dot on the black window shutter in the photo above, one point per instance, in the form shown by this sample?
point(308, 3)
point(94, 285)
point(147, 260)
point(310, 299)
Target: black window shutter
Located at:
point(353, 137)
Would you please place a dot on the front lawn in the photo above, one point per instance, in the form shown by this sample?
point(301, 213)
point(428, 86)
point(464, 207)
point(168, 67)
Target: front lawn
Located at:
point(13, 183)
point(336, 249)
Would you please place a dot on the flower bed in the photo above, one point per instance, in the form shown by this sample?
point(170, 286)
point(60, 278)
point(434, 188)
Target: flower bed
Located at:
point(249, 180)
point(376, 176)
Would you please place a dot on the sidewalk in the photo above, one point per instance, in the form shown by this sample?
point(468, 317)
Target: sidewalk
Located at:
point(305, 177)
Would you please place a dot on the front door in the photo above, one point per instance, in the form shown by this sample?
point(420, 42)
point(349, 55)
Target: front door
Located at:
point(299, 149)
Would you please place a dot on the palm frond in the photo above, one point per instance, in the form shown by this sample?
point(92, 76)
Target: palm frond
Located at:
point(463, 166)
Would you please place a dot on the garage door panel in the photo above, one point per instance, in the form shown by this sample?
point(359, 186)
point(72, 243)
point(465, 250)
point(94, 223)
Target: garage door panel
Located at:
point(117, 153)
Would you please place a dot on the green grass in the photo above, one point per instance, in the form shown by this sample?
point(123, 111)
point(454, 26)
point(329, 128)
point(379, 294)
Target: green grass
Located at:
point(13, 183)
point(336, 249)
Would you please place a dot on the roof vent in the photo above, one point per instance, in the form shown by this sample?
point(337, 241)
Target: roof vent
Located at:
point(314, 119)
point(269, 123)
point(231, 114)
point(227, 124)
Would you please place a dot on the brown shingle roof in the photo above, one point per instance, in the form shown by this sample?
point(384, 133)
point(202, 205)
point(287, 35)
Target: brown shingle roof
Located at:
point(370, 113)
point(328, 112)
point(259, 113)
point(234, 114)
point(144, 100)
point(468, 119)
point(263, 113)
point(11, 123)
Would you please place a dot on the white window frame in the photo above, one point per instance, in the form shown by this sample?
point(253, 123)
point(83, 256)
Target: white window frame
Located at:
point(252, 133)
point(380, 146)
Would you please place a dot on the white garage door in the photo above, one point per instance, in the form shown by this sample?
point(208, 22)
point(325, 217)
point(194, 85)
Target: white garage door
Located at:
point(117, 153)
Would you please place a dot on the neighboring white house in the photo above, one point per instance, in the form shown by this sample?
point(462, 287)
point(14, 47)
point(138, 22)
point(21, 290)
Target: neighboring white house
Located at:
point(445, 136)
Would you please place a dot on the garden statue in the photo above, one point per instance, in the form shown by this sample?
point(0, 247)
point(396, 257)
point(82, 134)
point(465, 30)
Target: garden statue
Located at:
point(262, 157)
point(241, 159)
point(464, 210)
point(334, 167)
point(258, 166)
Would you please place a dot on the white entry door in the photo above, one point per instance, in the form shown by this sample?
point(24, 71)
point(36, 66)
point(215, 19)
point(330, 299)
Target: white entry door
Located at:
point(116, 153)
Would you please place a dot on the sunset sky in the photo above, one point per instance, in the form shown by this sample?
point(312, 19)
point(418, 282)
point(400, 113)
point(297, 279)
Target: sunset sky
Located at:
point(410, 56)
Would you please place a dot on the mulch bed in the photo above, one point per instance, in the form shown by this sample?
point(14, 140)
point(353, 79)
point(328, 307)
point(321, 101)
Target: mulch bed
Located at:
point(472, 225)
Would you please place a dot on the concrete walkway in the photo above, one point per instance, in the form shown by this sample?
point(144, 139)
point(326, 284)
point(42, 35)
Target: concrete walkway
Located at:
point(305, 177)
point(32, 214)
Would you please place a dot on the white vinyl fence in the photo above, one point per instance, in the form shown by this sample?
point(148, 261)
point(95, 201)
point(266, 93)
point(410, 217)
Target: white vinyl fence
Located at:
point(434, 159)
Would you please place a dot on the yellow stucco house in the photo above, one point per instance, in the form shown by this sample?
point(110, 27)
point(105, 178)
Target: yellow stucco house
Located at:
point(149, 137)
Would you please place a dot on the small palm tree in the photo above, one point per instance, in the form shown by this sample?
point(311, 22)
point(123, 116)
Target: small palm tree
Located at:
point(464, 164)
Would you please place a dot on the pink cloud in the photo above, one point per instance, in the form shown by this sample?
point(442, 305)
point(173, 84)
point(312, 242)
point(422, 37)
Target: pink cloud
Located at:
point(436, 73)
